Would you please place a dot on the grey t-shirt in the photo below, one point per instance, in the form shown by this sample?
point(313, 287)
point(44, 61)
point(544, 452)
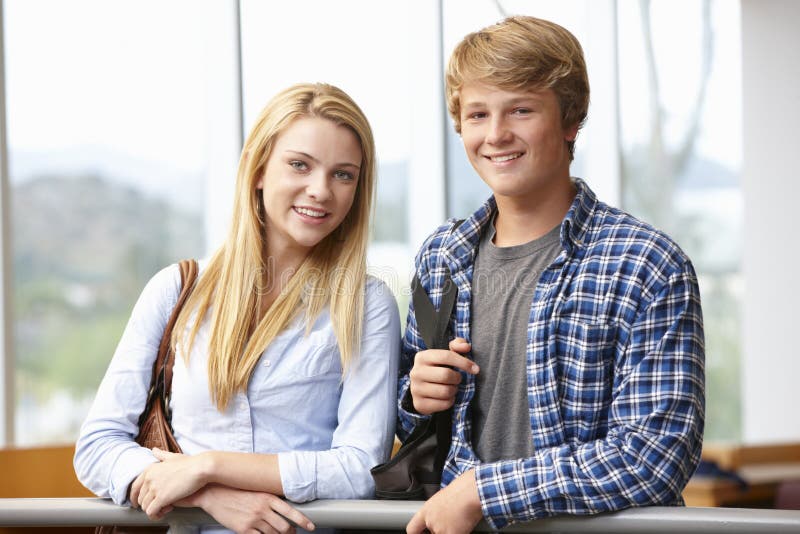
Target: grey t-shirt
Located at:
point(503, 286)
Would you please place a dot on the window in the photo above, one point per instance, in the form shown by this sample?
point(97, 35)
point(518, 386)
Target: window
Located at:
point(681, 164)
point(110, 158)
point(371, 62)
point(106, 142)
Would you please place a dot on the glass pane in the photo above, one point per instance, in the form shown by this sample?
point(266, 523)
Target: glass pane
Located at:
point(680, 122)
point(465, 190)
point(106, 134)
point(369, 61)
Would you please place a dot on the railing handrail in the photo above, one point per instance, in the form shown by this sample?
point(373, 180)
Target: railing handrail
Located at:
point(395, 514)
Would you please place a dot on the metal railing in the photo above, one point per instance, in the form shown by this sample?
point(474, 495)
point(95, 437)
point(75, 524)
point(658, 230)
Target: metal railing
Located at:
point(373, 515)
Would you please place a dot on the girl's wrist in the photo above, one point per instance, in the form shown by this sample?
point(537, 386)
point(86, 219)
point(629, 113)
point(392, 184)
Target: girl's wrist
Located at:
point(207, 465)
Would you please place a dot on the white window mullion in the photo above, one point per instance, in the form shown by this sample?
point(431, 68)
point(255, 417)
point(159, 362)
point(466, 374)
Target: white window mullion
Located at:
point(602, 128)
point(426, 192)
point(224, 129)
point(6, 332)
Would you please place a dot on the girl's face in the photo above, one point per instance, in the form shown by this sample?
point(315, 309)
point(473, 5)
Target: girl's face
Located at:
point(308, 184)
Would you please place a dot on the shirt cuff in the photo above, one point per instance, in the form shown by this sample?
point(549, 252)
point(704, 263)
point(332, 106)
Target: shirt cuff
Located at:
point(408, 416)
point(502, 492)
point(298, 470)
point(129, 465)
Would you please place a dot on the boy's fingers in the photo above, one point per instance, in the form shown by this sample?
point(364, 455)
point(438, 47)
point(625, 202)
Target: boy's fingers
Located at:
point(448, 358)
point(453, 359)
point(434, 391)
point(460, 345)
point(416, 525)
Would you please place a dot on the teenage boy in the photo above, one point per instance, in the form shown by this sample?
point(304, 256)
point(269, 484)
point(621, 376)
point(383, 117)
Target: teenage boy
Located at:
point(576, 369)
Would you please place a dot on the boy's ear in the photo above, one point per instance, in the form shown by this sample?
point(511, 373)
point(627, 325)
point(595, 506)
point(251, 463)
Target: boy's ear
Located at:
point(571, 133)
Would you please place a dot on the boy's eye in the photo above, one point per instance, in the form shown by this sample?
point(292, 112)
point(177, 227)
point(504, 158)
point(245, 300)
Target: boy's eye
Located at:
point(343, 175)
point(298, 165)
point(521, 111)
point(477, 115)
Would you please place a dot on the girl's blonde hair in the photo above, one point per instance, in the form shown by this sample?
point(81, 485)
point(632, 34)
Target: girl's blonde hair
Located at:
point(233, 283)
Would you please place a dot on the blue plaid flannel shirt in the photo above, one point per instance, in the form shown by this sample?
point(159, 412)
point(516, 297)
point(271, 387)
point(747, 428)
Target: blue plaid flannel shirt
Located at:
point(615, 357)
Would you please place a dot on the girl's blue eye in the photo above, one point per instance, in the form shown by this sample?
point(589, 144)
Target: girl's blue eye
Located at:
point(343, 175)
point(298, 165)
point(477, 115)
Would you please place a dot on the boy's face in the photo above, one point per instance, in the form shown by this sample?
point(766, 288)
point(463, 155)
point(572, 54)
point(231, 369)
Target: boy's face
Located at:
point(515, 139)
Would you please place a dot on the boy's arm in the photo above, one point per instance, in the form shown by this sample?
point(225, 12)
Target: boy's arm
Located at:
point(655, 427)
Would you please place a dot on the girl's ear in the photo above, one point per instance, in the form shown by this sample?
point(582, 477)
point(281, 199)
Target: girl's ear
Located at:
point(260, 182)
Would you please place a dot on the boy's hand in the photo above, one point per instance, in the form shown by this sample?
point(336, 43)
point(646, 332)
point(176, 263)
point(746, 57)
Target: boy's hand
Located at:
point(435, 377)
point(455, 509)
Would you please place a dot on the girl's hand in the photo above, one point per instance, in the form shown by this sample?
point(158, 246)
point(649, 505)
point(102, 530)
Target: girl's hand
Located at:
point(176, 476)
point(247, 511)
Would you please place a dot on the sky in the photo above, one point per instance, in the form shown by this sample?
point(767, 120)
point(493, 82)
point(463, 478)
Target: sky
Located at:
point(115, 75)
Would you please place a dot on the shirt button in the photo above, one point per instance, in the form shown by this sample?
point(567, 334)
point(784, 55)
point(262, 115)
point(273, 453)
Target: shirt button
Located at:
point(242, 406)
point(267, 363)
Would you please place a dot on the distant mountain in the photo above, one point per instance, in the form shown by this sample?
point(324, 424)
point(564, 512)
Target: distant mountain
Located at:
point(84, 248)
point(180, 187)
point(87, 228)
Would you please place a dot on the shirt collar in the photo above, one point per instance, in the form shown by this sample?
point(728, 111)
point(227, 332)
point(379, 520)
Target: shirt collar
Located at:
point(576, 222)
point(461, 245)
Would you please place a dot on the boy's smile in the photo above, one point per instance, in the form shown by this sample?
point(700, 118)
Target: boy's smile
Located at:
point(515, 140)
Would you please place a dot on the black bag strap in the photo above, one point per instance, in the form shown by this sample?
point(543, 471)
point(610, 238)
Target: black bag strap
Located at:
point(432, 324)
point(432, 327)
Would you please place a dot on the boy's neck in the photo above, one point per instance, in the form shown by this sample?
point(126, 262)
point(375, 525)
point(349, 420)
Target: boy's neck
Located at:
point(522, 220)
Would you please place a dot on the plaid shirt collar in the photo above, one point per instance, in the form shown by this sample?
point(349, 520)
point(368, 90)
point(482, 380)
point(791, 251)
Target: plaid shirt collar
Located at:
point(460, 247)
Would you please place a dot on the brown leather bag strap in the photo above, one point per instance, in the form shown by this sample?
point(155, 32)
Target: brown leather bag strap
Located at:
point(161, 380)
point(188, 278)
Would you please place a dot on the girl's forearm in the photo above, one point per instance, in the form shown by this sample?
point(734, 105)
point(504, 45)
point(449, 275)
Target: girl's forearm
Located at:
point(243, 470)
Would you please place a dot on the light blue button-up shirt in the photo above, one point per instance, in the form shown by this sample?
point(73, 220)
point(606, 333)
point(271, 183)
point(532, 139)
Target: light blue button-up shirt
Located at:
point(327, 431)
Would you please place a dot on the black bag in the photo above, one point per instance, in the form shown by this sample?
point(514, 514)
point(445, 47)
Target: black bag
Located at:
point(415, 472)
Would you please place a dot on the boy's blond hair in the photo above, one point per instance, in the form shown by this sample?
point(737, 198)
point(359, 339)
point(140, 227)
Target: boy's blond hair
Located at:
point(522, 53)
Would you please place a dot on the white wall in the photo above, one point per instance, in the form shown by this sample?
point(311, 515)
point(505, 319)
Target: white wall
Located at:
point(771, 101)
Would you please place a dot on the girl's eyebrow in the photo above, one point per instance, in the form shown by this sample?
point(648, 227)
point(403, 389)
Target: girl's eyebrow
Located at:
point(315, 160)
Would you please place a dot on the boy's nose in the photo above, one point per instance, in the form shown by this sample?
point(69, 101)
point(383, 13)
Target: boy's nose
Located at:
point(498, 132)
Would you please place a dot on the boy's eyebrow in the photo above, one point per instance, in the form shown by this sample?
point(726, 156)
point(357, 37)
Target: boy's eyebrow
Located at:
point(315, 160)
point(512, 102)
